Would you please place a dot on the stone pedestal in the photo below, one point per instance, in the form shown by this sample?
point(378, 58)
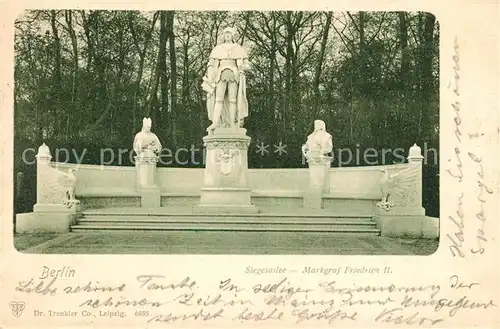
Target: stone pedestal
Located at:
point(404, 216)
point(53, 211)
point(225, 184)
point(45, 218)
point(400, 222)
point(319, 180)
point(145, 165)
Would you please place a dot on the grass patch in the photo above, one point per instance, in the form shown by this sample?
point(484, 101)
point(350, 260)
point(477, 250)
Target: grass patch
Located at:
point(419, 247)
point(25, 240)
point(226, 243)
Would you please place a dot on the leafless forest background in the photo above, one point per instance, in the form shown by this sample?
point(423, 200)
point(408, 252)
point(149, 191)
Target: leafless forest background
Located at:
point(85, 79)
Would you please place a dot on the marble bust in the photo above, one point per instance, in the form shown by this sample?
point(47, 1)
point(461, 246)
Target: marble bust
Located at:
point(225, 83)
point(146, 140)
point(319, 142)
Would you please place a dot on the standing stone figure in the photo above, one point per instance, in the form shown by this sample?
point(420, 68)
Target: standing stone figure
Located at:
point(146, 140)
point(225, 84)
point(319, 142)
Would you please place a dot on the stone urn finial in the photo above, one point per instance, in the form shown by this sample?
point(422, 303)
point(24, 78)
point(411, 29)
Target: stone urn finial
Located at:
point(43, 152)
point(415, 153)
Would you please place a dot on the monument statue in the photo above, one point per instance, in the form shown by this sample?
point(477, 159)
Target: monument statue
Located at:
point(145, 139)
point(225, 83)
point(319, 142)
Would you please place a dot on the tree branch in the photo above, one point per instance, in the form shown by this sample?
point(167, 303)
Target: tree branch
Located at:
point(379, 27)
point(353, 21)
point(340, 34)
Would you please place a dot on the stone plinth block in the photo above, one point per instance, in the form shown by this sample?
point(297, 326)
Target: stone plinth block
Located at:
point(150, 198)
point(319, 180)
point(402, 222)
point(145, 164)
point(430, 228)
point(48, 218)
point(225, 183)
point(34, 222)
point(313, 199)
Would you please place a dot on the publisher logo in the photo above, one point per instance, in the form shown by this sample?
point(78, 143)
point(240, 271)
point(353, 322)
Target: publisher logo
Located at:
point(17, 308)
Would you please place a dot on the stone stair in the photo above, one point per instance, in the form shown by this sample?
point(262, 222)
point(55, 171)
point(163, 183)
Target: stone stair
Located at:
point(167, 219)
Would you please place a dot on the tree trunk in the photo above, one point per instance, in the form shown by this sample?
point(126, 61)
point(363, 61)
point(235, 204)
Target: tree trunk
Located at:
point(427, 79)
point(142, 57)
point(68, 15)
point(404, 73)
point(160, 68)
point(56, 77)
point(185, 71)
point(87, 25)
point(74, 45)
point(271, 111)
point(403, 45)
point(173, 75)
point(362, 41)
point(288, 73)
point(57, 49)
point(319, 64)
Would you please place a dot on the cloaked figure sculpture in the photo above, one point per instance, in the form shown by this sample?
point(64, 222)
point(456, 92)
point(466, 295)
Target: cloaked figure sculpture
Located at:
point(225, 84)
point(319, 142)
point(146, 140)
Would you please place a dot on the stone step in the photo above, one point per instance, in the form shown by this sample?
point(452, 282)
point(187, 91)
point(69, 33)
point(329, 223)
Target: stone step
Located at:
point(89, 227)
point(183, 218)
point(225, 219)
point(167, 212)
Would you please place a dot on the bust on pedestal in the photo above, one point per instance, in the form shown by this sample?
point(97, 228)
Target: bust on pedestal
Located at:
point(316, 150)
point(225, 185)
point(147, 146)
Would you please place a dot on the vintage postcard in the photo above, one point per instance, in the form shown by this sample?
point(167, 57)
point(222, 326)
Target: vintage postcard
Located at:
point(264, 164)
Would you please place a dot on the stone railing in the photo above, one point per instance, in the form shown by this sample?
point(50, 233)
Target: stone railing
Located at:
point(397, 188)
point(344, 182)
